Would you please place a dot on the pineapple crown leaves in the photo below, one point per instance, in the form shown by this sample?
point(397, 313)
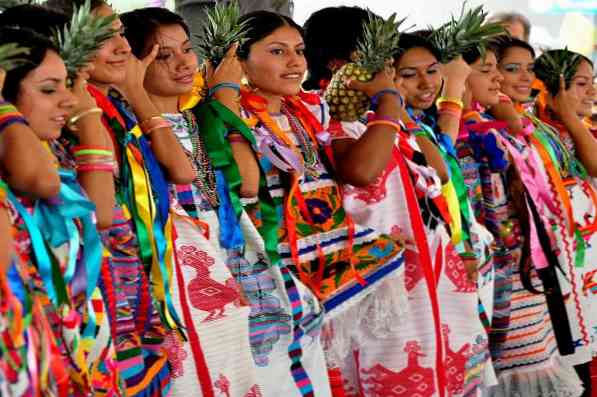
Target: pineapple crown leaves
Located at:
point(468, 32)
point(379, 42)
point(10, 56)
point(78, 41)
point(220, 32)
point(555, 63)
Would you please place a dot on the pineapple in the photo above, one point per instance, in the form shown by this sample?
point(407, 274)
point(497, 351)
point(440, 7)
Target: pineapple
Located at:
point(10, 56)
point(220, 32)
point(84, 35)
point(378, 44)
point(552, 64)
point(465, 33)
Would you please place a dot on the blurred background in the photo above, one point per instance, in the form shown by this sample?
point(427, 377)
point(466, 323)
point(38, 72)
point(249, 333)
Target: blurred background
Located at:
point(555, 23)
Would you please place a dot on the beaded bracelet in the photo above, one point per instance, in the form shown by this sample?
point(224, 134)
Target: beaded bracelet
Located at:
point(384, 122)
point(377, 97)
point(456, 101)
point(211, 92)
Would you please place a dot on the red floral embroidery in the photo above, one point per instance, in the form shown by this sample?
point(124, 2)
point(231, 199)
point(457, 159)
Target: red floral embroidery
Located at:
point(456, 272)
point(412, 381)
point(455, 364)
point(223, 385)
point(176, 354)
point(205, 293)
point(412, 269)
point(374, 192)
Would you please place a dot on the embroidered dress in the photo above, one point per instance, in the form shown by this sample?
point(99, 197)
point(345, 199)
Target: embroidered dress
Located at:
point(137, 328)
point(285, 316)
point(317, 239)
point(573, 191)
point(406, 364)
point(59, 335)
point(523, 344)
point(218, 355)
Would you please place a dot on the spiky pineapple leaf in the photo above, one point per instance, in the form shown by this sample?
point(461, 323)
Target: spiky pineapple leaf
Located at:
point(85, 34)
point(11, 56)
point(220, 32)
point(465, 33)
point(378, 43)
point(552, 64)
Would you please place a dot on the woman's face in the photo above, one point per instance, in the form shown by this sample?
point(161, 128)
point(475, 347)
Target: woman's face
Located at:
point(276, 64)
point(582, 87)
point(111, 59)
point(44, 99)
point(517, 68)
point(484, 80)
point(172, 72)
point(421, 77)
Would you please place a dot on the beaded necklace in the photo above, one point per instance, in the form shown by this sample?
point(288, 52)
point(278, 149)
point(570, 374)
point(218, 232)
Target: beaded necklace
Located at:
point(310, 156)
point(205, 177)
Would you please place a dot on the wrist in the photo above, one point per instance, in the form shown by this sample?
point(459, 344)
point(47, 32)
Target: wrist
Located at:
point(390, 94)
point(454, 89)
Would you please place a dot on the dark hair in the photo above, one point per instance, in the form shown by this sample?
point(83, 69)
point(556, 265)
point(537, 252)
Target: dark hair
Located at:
point(141, 26)
point(34, 17)
point(68, 6)
point(38, 46)
point(323, 44)
point(473, 54)
point(261, 24)
point(510, 17)
point(503, 44)
point(418, 39)
point(544, 73)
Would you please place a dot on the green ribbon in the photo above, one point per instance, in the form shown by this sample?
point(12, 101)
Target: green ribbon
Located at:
point(214, 120)
point(579, 260)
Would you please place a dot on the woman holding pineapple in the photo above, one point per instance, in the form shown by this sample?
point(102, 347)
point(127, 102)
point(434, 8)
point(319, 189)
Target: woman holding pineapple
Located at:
point(406, 187)
point(554, 131)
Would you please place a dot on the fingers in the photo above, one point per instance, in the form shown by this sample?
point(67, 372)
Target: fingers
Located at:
point(151, 56)
point(80, 81)
point(231, 53)
point(208, 70)
point(562, 83)
point(355, 85)
point(2, 78)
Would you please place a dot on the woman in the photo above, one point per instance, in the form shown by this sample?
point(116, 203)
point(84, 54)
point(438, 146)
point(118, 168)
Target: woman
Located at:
point(299, 212)
point(524, 345)
point(139, 238)
point(57, 285)
point(555, 149)
point(206, 257)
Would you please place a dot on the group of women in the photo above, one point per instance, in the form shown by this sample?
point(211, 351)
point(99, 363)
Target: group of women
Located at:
point(175, 230)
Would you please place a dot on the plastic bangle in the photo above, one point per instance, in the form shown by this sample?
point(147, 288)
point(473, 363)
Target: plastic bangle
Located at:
point(376, 117)
point(211, 92)
point(384, 122)
point(504, 98)
point(455, 113)
point(236, 138)
point(79, 151)
point(456, 101)
point(377, 97)
point(96, 167)
point(157, 126)
point(71, 124)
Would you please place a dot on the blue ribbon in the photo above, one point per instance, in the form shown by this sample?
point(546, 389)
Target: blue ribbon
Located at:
point(231, 235)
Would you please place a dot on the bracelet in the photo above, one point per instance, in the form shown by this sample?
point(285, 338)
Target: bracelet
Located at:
point(374, 117)
point(236, 138)
point(73, 120)
point(377, 97)
point(451, 112)
point(153, 123)
point(504, 98)
point(219, 86)
point(91, 150)
point(157, 126)
point(385, 122)
point(456, 101)
point(106, 167)
point(10, 115)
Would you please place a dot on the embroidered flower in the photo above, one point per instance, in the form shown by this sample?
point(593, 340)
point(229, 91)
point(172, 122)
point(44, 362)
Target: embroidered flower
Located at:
point(319, 210)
